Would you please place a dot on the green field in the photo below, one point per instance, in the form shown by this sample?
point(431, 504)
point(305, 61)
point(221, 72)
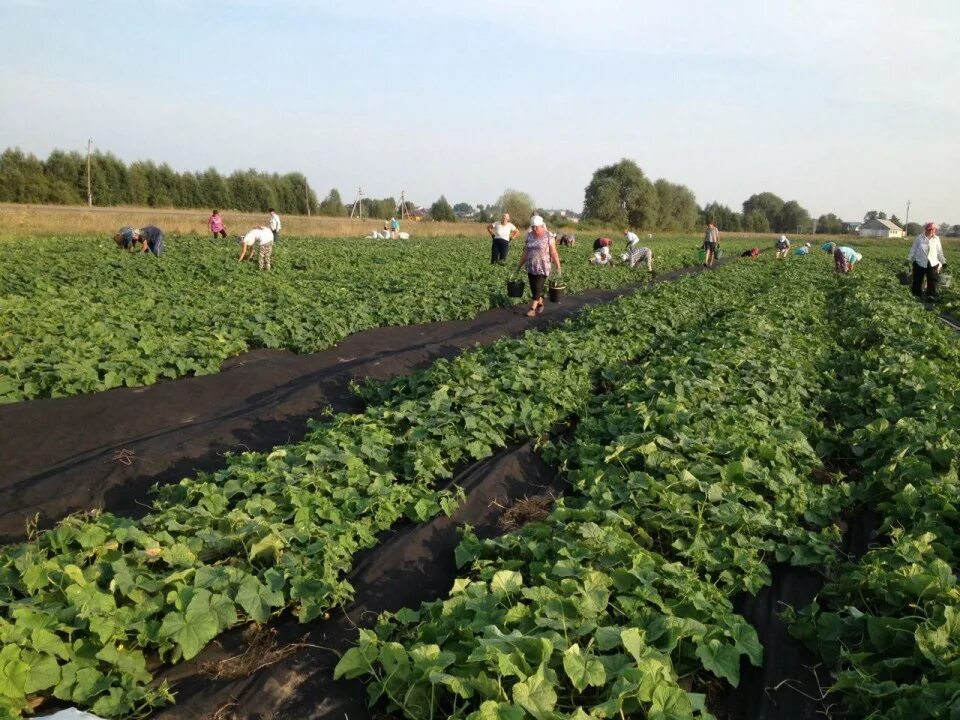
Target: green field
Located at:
point(715, 426)
point(78, 315)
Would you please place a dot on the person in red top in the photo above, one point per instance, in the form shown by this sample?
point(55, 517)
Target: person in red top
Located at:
point(602, 242)
point(216, 225)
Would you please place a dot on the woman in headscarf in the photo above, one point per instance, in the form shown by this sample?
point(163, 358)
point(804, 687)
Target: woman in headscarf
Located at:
point(927, 258)
point(539, 257)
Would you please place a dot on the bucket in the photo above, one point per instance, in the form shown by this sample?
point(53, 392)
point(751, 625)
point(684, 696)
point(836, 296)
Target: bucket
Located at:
point(555, 291)
point(515, 288)
point(701, 255)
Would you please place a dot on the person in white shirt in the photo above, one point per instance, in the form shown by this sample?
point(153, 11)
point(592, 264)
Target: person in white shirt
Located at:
point(602, 256)
point(262, 236)
point(636, 254)
point(501, 233)
point(783, 247)
point(927, 258)
point(275, 224)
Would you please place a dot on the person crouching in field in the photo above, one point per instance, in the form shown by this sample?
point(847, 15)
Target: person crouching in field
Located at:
point(539, 257)
point(263, 236)
point(636, 254)
point(601, 252)
point(783, 247)
point(803, 249)
point(751, 253)
point(844, 258)
point(124, 238)
point(148, 237)
point(216, 225)
point(151, 238)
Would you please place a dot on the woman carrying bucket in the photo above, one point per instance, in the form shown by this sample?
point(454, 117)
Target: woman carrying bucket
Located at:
point(711, 243)
point(539, 257)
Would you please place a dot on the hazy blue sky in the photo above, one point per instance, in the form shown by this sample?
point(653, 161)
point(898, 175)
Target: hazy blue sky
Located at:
point(845, 106)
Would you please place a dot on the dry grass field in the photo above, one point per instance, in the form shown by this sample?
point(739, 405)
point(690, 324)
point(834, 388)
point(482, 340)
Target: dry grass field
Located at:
point(17, 221)
point(20, 220)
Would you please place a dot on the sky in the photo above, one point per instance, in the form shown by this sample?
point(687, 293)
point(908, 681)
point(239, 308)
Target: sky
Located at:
point(845, 106)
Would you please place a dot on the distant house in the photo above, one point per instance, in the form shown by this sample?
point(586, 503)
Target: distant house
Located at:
point(851, 227)
point(568, 215)
point(881, 228)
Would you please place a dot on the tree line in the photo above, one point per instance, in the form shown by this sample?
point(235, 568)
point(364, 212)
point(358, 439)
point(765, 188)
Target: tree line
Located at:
point(618, 194)
point(61, 179)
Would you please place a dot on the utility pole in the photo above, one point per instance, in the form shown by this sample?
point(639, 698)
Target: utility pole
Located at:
point(358, 205)
point(403, 204)
point(89, 191)
point(907, 221)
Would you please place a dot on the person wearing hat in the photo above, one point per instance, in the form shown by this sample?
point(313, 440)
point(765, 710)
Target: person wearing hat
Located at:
point(844, 258)
point(783, 246)
point(803, 250)
point(827, 247)
point(636, 254)
point(263, 236)
point(501, 233)
point(539, 257)
point(602, 256)
point(926, 254)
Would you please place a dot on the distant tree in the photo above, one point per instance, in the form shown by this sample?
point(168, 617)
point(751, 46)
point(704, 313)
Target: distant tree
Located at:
point(722, 216)
point(829, 224)
point(332, 205)
point(62, 178)
point(767, 203)
point(677, 206)
point(213, 187)
point(896, 221)
point(519, 204)
point(874, 215)
point(622, 195)
point(442, 211)
point(913, 228)
point(21, 177)
point(756, 221)
point(66, 178)
point(793, 216)
point(462, 208)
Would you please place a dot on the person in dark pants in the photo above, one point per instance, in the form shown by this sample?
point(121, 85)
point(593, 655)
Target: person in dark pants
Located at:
point(539, 257)
point(927, 258)
point(215, 223)
point(275, 225)
point(501, 233)
point(150, 238)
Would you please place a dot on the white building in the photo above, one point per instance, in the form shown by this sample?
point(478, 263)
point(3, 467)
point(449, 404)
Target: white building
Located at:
point(881, 228)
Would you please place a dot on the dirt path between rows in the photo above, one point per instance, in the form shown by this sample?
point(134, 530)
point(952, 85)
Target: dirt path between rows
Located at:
point(105, 450)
